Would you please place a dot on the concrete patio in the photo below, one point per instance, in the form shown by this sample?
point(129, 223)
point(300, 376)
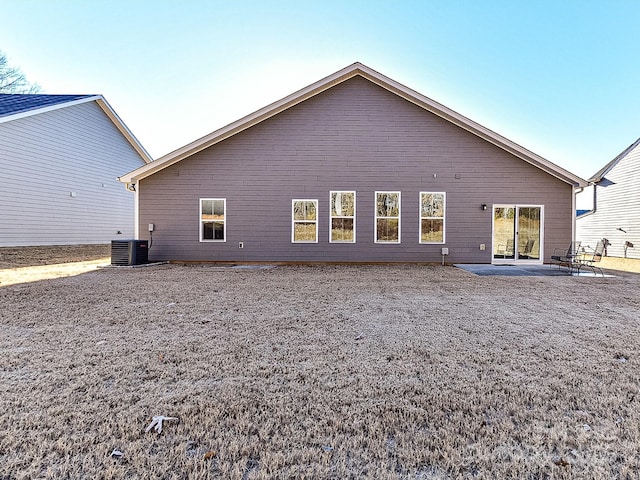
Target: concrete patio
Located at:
point(523, 270)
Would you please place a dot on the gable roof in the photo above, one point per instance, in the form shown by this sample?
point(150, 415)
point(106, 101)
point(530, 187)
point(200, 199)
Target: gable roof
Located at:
point(15, 106)
point(356, 69)
point(599, 175)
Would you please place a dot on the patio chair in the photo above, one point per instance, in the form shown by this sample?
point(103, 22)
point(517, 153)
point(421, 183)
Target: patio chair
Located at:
point(588, 260)
point(566, 258)
point(505, 251)
point(528, 249)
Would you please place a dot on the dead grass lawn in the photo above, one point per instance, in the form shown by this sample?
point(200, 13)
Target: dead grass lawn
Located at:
point(399, 372)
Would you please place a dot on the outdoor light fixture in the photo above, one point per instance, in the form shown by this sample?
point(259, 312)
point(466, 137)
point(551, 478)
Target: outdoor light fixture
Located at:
point(483, 206)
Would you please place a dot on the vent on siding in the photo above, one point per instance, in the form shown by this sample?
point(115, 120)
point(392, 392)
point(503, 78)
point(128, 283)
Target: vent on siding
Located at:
point(129, 252)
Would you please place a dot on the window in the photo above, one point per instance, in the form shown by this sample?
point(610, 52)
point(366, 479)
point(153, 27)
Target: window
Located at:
point(432, 217)
point(304, 221)
point(213, 219)
point(342, 227)
point(387, 217)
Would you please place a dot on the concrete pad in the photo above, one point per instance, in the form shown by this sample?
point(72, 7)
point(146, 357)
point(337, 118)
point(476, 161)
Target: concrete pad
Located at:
point(522, 270)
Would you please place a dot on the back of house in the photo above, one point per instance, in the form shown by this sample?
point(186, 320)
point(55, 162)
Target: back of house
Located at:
point(354, 168)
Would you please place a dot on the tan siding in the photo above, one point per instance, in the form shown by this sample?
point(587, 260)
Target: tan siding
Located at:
point(355, 136)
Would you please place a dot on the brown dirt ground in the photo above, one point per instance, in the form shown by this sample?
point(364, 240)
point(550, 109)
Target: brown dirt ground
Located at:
point(399, 372)
point(30, 264)
point(16, 257)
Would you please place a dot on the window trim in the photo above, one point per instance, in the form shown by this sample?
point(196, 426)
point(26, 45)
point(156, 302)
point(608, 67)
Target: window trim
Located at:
point(331, 216)
point(443, 218)
point(202, 222)
point(293, 220)
point(376, 217)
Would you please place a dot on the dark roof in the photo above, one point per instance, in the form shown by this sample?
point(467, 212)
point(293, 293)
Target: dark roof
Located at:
point(599, 175)
point(12, 103)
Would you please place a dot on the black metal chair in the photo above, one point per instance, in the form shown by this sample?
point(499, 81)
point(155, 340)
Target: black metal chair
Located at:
point(566, 258)
point(589, 260)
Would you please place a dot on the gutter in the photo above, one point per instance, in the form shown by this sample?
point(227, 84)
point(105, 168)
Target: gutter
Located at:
point(595, 200)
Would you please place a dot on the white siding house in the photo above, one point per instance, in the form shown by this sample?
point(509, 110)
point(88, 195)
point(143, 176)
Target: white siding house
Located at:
point(60, 156)
point(615, 206)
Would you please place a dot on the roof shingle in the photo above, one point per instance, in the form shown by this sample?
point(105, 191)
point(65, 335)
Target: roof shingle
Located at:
point(12, 103)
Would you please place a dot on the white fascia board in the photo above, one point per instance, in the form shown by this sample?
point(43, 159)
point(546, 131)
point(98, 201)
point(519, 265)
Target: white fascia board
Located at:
point(106, 108)
point(332, 80)
point(37, 111)
point(609, 166)
point(120, 125)
point(236, 127)
point(471, 126)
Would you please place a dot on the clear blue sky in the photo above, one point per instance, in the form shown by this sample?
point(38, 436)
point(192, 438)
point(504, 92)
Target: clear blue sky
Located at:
point(561, 77)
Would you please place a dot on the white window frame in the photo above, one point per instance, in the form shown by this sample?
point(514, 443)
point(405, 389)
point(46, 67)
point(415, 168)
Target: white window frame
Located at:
point(202, 222)
point(294, 221)
point(332, 216)
point(376, 217)
point(443, 218)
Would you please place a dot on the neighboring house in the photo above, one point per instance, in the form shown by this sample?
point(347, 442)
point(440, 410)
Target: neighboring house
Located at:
point(354, 168)
point(615, 211)
point(60, 156)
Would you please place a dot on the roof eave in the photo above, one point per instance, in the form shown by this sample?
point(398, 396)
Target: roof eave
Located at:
point(473, 127)
point(599, 175)
point(106, 108)
point(330, 81)
point(120, 125)
point(238, 126)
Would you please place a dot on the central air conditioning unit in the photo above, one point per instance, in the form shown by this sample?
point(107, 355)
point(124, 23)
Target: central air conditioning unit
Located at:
point(129, 252)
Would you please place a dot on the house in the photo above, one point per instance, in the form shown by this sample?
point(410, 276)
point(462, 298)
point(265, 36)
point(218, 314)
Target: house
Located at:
point(615, 206)
point(354, 168)
point(60, 156)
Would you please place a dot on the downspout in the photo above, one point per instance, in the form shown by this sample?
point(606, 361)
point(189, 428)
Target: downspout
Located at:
point(136, 216)
point(594, 200)
point(133, 187)
point(573, 213)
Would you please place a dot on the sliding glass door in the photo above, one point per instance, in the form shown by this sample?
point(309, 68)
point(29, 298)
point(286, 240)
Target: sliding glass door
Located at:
point(517, 234)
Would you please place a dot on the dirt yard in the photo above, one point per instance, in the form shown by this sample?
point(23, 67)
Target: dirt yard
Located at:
point(19, 257)
point(398, 372)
